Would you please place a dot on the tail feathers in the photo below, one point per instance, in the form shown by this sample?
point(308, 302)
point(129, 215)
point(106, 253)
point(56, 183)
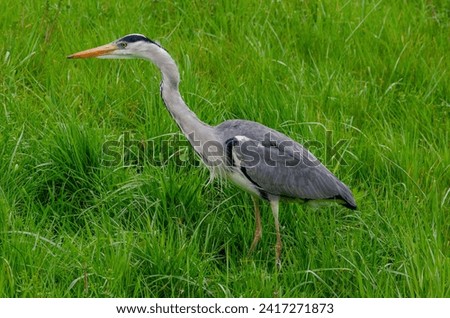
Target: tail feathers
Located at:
point(349, 205)
point(347, 196)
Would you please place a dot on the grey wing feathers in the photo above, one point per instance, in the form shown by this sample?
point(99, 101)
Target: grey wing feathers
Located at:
point(282, 167)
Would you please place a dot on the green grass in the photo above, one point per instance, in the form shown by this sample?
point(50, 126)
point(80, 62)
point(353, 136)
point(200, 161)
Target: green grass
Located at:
point(370, 76)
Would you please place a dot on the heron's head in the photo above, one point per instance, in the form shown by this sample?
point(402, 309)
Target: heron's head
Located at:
point(127, 47)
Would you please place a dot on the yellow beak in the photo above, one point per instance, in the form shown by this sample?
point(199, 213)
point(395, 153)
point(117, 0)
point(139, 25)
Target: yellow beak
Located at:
point(95, 52)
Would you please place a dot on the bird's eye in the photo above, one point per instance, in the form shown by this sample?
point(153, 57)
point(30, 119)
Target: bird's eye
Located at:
point(123, 45)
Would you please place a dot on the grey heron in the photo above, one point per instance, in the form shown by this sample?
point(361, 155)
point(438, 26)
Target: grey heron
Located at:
point(260, 160)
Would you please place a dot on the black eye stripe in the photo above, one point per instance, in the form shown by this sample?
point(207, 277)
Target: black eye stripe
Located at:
point(136, 38)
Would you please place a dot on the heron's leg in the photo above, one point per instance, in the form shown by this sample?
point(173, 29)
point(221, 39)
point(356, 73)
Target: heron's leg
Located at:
point(258, 227)
point(274, 206)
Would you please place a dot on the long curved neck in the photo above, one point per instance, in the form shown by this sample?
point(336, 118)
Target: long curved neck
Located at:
point(196, 131)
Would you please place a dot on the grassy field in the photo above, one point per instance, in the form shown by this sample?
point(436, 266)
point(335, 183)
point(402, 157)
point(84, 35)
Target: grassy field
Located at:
point(364, 83)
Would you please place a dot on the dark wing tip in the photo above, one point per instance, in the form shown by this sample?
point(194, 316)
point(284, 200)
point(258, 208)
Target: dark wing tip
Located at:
point(347, 199)
point(346, 196)
point(349, 205)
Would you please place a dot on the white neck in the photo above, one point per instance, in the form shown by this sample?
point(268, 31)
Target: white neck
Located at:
point(196, 131)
